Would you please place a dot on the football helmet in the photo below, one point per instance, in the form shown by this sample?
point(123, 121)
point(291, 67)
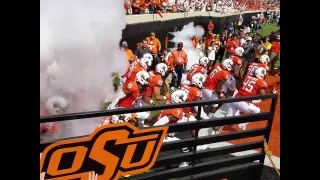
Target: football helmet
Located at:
point(178, 96)
point(56, 105)
point(161, 68)
point(227, 64)
point(143, 77)
point(198, 80)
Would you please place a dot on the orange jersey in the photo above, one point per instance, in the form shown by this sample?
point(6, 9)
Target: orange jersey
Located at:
point(251, 86)
point(176, 112)
point(196, 68)
point(128, 101)
point(216, 74)
point(133, 65)
point(253, 66)
point(156, 80)
point(49, 126)
point(131, 75)
point(193, 94)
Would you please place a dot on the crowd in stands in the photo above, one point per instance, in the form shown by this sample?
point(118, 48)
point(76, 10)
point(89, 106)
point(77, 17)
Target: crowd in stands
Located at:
point(219, 6)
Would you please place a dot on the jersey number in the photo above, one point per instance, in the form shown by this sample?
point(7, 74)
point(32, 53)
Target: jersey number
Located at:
point(251, 70)
point(199, 94)
point(193, 70)
point(178, 112)
point(248, 85)
point(213, 73)
point(130, 85)
point(49, 125)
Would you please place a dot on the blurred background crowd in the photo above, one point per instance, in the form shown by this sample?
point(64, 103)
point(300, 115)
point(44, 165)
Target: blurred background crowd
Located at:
point(133, 7)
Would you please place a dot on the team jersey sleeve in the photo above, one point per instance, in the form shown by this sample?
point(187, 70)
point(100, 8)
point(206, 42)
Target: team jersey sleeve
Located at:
point(262, 84)
point(224, 75)
point(132, 87)
point(177, 112)
point(159, 81)
point(203, 70)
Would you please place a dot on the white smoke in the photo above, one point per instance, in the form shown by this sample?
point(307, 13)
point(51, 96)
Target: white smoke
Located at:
point(79, 49)
point(184, 36)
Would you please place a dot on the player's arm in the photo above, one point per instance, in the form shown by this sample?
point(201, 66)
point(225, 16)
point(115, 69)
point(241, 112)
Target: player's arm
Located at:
point(219, 87)
point(237, 72)
point(148, 100)
point(262, 91)
point(165, 120)
point(157, 94)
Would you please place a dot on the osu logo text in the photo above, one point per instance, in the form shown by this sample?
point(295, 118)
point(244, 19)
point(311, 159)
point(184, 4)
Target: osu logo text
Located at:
point(111, 151)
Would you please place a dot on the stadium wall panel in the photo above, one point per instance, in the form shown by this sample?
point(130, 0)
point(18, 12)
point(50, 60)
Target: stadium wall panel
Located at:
point(140, 26)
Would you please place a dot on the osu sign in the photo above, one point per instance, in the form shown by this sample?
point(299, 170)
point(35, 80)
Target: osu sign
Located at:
point(111, 151)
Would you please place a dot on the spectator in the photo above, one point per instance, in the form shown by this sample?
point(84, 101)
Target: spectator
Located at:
point(232, 44)
point(212, 54)
point(154, 44)
point(227, 24)
point(143, 6)
point(231, 29)
point(180, 59)
point(255, 39)
point(247, 29)
point(135, 6)
point(201, 45)
point(272, 37)
point(152, 6)
point(259, 50)
point(143, 49)
point(267, 45)
point(275, 52)
point(124, 46)
point(211, 26)
point(247, 54)
point(209, 38)
point(222, 48)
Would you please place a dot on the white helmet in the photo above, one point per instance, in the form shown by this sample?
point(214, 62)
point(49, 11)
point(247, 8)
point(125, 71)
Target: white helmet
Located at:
point(260, 73)
point(238, 51)
point(148, 55)
point(162, 68)
point(145, 62)
point(178, 96)
point(56, 105)
point(264, 59)
point(197, 80)
point(204, 61)
point(227, 64)
point(143, 77)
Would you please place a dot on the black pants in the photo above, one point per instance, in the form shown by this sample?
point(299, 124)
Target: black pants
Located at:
point(220, 54)
point(179, 71)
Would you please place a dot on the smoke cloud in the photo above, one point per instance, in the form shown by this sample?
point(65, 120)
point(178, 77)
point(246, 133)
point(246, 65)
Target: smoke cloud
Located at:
point(79, 49)
point(184, 36)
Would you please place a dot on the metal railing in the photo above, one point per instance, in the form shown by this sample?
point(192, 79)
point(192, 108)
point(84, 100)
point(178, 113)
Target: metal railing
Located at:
point(233, 167)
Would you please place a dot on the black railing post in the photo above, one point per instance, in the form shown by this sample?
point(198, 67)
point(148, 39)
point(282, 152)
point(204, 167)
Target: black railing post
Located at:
point(197, 132)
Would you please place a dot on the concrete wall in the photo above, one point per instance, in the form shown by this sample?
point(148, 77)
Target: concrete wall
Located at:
point(140, 26)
